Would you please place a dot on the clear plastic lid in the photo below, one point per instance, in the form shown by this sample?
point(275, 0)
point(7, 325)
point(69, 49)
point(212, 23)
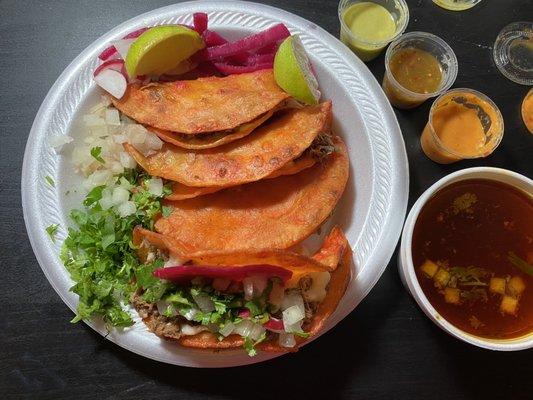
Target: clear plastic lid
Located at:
point(456, 5)
point(513, 52)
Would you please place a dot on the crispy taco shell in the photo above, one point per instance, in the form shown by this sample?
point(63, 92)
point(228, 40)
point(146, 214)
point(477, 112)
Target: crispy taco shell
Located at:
point(182, 192)
point(270, 214)
point(210, 140)
point(335, 247)
point(247, 160)
point(203, 105)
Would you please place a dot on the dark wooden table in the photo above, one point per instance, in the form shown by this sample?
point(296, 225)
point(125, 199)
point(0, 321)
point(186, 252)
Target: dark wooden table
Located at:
point(386, 349)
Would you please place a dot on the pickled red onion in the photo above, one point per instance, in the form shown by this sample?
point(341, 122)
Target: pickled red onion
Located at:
point(252, 42)
point(200, 22)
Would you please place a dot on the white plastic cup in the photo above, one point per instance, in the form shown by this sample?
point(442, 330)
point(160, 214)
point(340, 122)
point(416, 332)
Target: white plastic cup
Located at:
point(407, 269)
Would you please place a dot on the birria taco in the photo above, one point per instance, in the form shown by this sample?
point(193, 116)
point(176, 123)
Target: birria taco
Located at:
point(272, 300)
point(280, 140)
point(204, 105)
point(269, 214)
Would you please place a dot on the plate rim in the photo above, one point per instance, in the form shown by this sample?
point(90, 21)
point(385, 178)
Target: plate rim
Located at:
point(388, 238)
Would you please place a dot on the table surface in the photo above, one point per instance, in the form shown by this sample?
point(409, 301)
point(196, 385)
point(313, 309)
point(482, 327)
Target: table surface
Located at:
point(385, 349)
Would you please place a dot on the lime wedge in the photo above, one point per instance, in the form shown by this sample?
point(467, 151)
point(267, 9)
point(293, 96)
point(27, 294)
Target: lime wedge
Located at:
point(292, 71)
point(162, 48)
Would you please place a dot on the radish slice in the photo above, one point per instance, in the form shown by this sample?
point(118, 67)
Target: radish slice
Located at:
point(200, 22)
point(111, 50)
point(255, 59)
point(107, 53)
point(115, 65)
point(135, 34)
point(245, 313)
point(228, 69)
point(274, 324)
point(123, 46)
point(112, 82)
point(252, 42)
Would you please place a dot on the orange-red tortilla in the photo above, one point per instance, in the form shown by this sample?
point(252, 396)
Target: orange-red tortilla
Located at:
point(207, 340)
point(202, 105)
point(297, 263)
point(182, 192)
point(270, 214)
point(332, 250)
point(210, 140)
point(249, 159)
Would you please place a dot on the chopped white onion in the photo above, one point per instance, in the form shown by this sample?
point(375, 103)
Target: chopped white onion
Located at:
point(106, 202)
point(204, 302)
point(189, 330)
point(127, 208)
point(293, 299)
point(58, 141)
point(91, 120)
point(116, 167)
point(155, 186)
point(296, 327)
point(98, 178)
point(127, 161)
point(112, 117)
point(292, 315)
point(190, 314)
point(153, 142)
point(120, 138)
point(256, 332)
point(120, 195)
point(227, 329)
point(124, 183)
point(244, 328)
point(136, 134)
point(286, 340)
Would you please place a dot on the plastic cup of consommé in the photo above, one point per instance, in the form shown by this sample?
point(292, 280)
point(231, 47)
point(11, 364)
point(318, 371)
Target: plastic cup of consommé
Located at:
point(367, 26)
point(463, 124)
point(414, 56)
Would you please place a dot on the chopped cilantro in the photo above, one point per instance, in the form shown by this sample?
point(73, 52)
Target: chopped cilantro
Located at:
point(249, 346)
point(520, 263)
point(50, 180)
point(100, 256)
point(166, 211)
point(52, 230)
point(96, 153)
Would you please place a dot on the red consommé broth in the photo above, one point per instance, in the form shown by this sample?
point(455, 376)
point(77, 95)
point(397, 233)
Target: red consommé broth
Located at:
point(499, 221)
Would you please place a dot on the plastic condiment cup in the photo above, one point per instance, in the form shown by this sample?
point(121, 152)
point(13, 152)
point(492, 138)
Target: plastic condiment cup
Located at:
point(456, 5)
point(401, 97)
point(407, 271)
point(366, 49)
point(527, 110)
point(437, 151)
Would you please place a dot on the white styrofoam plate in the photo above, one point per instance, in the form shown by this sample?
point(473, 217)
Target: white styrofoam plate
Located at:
point(371, 211)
